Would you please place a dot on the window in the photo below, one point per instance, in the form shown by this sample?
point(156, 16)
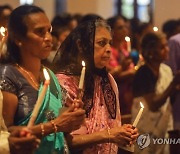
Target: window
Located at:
point(141, 9)
point(22, 2)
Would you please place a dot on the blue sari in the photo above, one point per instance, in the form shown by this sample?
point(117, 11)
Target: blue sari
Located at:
point(52, 143)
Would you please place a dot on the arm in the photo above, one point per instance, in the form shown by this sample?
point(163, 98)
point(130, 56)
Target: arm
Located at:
point(10, 102)
point(68, 118)
point(120, 135)
point(155, 101)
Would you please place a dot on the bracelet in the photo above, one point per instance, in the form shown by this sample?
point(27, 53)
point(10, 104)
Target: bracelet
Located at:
point(54, 125)
point(42, 129)
point(108, 135)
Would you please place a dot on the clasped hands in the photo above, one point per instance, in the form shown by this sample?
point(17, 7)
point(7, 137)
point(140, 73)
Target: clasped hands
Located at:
point(124, 135)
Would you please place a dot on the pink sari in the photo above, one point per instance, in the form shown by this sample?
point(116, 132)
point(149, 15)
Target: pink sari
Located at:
point(99, 118)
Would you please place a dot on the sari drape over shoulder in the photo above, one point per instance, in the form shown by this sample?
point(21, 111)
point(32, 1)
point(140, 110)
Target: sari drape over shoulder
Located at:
point(52, 143)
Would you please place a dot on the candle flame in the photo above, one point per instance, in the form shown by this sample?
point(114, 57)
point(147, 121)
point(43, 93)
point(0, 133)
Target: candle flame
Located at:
point(141, 104)
point(2, 31)
point(83, 63)
point(155, 29)
point(127, 39)
point(46, 75)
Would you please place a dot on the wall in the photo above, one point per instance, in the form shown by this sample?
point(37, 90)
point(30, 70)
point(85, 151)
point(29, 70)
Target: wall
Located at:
point(47, 5)
point(103, 8)
point(165, 10)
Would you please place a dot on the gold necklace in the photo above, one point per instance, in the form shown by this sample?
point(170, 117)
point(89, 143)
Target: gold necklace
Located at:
point(22, 69)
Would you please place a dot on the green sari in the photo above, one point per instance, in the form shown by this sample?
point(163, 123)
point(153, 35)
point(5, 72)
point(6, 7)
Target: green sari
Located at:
point(52, 143)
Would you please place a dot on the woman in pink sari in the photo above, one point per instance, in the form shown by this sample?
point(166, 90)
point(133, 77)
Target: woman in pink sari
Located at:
point(102, 131)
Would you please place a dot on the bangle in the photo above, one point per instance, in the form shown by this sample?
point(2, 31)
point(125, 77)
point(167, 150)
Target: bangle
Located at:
point(108, 135)
point(54, 125)
point(42, 129)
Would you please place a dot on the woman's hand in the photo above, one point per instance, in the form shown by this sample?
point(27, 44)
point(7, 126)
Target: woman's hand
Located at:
point(124, 135)
point(70, 119)
point(22, 141)
point(78, 104)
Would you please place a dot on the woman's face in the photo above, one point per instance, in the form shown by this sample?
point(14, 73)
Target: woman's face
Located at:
point(38, 40)
point(120, 30)
point(102, 47)
point(162, 51)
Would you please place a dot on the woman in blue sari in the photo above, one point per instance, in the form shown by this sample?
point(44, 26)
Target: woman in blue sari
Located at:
point(21, 81)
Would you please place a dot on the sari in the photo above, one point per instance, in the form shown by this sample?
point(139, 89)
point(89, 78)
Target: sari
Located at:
point(158, 123)
point(52, 143)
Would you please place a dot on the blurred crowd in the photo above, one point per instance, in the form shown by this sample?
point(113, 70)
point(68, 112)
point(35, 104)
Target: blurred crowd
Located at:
point(120, 73)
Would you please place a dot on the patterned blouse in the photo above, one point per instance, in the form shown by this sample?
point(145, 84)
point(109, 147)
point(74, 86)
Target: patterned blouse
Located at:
point(12, 81)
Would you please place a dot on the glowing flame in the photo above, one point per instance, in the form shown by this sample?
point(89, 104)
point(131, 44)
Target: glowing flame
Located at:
point(141, 104)
point(155, 29)
point(46, 75)
point(127, 39)
point(2, 31)
point(83, 63)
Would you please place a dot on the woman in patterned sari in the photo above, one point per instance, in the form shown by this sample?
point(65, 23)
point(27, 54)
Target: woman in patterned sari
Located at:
point(102, 130)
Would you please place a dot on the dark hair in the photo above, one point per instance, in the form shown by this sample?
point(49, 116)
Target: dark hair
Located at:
point(170, 27)
point(3, 7)
point(150, 43)
point(91, 17)
point(69, 56)
point(17, 28)
point(112, 21)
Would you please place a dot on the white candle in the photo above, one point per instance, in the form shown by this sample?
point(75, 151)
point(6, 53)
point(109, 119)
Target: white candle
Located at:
point(40, 99)
point(2, 31)
point(81, 81)
point(128, 40)
point(138, 115)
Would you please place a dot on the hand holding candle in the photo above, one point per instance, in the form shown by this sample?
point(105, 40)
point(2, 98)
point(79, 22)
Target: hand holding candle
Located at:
point(138, 115)
point(128, 40)
point(40, 99)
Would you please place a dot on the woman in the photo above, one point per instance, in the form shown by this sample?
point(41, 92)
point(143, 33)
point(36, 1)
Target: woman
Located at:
point(102, 131)
point(121, 65)
point(153, 85)
point(28, 43)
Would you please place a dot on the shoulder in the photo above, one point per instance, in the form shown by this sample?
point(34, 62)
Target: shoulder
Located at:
point(68, 82)
point(174, 41)
point(143, 71)
point(166, 69)
point(8, 78)
point(6, 69)
point(113, 83)
point(175, 38)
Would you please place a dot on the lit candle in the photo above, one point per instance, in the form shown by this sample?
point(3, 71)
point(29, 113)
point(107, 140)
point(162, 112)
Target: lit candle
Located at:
point(81, 81)
point(138, 115)
point(2, 31)
point(40, 98)
point(128, 40)
point(155, 29)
